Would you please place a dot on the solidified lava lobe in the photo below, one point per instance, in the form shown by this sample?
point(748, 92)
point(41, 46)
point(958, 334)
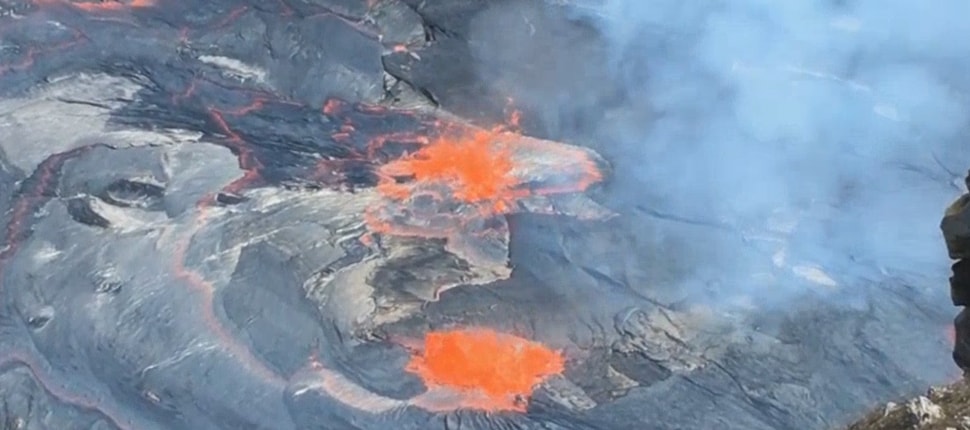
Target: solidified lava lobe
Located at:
point(499, 370)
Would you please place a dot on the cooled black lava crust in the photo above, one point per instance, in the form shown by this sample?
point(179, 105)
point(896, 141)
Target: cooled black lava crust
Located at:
point(177, 180)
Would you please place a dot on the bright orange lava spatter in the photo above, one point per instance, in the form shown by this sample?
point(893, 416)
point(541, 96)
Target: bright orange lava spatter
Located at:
point(486, 169)
point(462, 175)
point(500, 369)
point(477, 166)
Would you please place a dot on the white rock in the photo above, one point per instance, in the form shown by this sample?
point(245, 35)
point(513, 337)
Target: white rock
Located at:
point(924, 411)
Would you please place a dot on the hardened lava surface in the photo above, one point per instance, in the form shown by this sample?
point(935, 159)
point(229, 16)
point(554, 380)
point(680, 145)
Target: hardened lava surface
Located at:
point(313, 214)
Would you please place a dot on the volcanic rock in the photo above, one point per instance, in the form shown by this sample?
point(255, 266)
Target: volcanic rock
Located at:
point(82, 211)
point(940, 408)
point(960, 283)
point(956, 228)
point(956, 232)
point(924, 412)
point(133, 193)
point(216, 217)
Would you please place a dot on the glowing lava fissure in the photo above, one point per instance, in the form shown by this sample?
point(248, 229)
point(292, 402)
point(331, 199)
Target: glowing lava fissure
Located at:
point(499, 371)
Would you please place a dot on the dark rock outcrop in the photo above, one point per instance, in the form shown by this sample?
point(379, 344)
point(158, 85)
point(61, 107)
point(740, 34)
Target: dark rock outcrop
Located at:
point(956, 233)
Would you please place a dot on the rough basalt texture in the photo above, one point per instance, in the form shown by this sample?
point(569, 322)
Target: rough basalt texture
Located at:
point(184, 185)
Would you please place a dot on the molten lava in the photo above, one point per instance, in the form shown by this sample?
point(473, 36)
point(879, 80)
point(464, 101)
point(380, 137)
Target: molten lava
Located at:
point(468, 175)
point(477, 168)
point(498, 370)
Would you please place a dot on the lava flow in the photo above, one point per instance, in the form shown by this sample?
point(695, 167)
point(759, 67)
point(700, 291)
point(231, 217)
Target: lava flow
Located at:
point(467, 175)
point(489, 370)
point(477, 168)
point(433, 178)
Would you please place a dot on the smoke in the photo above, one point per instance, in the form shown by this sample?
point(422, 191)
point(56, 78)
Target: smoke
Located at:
point(827, 136)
